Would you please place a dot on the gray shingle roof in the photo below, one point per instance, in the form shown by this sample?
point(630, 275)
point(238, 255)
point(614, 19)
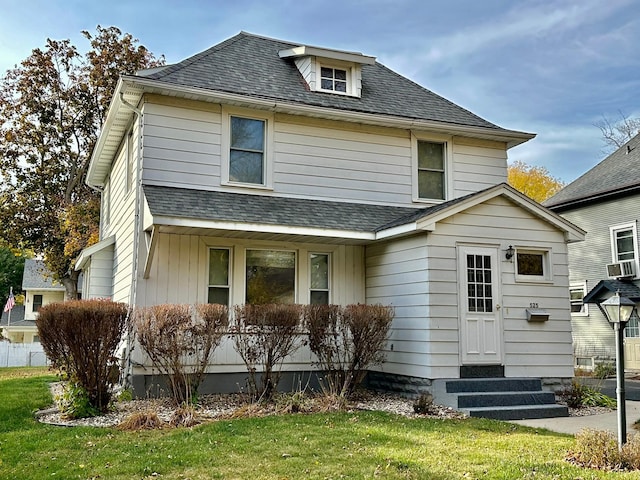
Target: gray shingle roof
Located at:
point(37, 276)
point(626, 289)
point(249, 65)
point(293, 212)
point(269, 210)
point(17, 317)
point(616, 174)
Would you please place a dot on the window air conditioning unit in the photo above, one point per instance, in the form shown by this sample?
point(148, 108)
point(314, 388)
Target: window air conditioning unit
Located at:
point(623, 269)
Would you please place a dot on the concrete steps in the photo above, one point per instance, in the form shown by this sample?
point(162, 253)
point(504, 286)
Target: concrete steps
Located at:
point(498, 398)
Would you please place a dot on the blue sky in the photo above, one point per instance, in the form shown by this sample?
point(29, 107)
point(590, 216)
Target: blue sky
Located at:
point(550, 67)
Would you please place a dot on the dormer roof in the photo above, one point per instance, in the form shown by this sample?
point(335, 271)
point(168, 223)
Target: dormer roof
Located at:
point(342, 55)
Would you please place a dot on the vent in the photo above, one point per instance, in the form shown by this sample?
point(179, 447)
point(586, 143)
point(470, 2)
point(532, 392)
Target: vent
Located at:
point(622, 269)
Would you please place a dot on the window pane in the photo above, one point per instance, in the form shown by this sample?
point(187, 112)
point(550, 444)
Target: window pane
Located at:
point(270, 277)
point(319, 298)
point(341, 86)
point(624, 245)
point(326, 72)
point(530, 264)
point(218, 266)
point(319, 271)
point(218, 295)
point(430, 184)
point(247, 134)
point(431, 155)
point(340, 74)
point(245, 167)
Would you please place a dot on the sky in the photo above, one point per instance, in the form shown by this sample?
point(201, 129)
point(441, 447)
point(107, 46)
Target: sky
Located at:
point(550, 67)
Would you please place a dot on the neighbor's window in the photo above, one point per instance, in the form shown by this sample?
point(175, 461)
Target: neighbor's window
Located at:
point(333, 79)
point(431, 170)
point(37, 302)
point(247, 150)
point(218, 290)
point(576, 294)
point(532, 265)
point(319, 281)
point(270, 276)
point(623, 242)
point(632, 330)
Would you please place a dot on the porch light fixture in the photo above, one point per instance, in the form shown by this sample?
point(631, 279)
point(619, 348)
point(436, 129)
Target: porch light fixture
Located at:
point(510, 252)
point(618, 311)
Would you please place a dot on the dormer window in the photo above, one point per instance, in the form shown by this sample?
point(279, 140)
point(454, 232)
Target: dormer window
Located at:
point(334, 79)
point(329, 71)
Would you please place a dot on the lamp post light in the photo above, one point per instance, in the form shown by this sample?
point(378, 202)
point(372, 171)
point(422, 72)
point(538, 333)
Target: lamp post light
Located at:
point(618, 311)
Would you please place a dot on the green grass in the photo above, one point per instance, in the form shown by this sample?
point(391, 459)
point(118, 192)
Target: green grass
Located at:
point(321, 446)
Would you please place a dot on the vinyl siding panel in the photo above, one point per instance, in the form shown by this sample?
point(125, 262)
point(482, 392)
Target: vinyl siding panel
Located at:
point(592, 334)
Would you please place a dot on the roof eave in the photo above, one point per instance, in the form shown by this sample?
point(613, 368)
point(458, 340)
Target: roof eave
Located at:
point(134, 87)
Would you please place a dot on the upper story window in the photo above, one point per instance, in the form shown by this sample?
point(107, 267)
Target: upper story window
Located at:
point(333, 79)
point(246, 155)
point(246, 144)
point(37, 303)
point(532, 265)
point(624, 242)
point(431, 170)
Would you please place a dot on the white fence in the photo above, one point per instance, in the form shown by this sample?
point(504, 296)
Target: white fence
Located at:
point(22, 355)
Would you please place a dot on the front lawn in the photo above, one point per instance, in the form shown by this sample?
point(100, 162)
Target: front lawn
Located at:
point(323, 446)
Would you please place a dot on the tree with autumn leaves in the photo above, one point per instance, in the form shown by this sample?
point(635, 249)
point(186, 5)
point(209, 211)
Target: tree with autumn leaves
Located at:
point(52, 107)
point(534, 181)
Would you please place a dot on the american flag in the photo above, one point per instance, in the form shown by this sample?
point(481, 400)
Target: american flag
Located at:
point(10, 303)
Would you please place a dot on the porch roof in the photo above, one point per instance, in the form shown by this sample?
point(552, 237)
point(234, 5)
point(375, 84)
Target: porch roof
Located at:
point(271, 210)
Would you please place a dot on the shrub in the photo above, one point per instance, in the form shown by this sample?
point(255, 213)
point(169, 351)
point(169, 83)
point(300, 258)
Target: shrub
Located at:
point(179, 340)
point(581, 395)
point(264, 335)
point(81, 337)
point(597, 449)
point(146, 420)
point(347, 341)
point(604, 369)
point(74, 402)
point(423, 404)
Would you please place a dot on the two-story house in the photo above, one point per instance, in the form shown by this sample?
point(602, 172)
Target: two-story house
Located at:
point(605, 201)
point(39, 289)
point(316, 175)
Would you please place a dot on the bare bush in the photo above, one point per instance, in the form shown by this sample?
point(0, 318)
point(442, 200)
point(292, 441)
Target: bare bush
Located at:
point(80, 338)
point(179, 340)
point(264, 335)
point(347, 341)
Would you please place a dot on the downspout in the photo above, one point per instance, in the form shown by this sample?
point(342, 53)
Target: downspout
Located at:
point(128, 365)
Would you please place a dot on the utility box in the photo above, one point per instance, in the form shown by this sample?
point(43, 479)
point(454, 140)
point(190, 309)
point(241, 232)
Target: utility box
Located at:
point(537, 315)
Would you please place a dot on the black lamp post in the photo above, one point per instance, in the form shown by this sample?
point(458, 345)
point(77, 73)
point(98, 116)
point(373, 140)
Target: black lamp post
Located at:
point(618, 310)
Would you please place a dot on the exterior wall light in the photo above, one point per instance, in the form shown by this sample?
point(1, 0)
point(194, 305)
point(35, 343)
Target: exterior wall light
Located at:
point(510, 252)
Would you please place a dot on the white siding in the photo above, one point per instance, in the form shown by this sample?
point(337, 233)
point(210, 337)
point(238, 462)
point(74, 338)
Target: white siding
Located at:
point(592, 334)
point(179, 275)
point(98, 277)
point(48, 296)
point(425, 337)
point(312, 158)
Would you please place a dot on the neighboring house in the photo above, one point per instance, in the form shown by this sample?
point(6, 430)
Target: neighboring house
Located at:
point(39, 289)
point(318, 175)
point(605, 202)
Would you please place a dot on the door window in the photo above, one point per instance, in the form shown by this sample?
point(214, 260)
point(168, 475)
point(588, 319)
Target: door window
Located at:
point(479, 294)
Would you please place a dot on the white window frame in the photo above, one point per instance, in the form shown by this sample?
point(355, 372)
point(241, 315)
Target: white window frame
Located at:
point(584, 312)
point(229, 285)
point(448, 166)
point(329, 270)
point(614, 246)
point(349, 78)
point(225, 143)
point(547, 274)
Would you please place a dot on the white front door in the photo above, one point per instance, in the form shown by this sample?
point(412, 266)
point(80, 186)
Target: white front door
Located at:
point(632, 344)
point(480, 320)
